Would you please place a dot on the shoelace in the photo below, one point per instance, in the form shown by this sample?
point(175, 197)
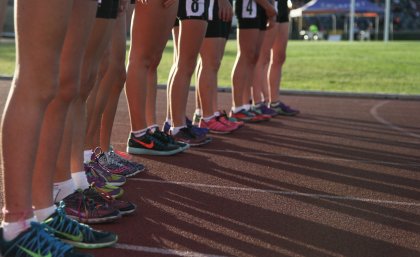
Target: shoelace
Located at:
point(163, 136)
point(39, 241)
point(65, 224)
point(155, 140)
point(189, 131)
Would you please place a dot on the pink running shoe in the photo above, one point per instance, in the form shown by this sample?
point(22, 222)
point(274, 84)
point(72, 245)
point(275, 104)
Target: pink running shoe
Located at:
point(217, 127)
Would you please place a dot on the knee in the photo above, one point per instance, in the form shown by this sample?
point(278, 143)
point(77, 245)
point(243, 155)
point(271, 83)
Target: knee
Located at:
point(120, 75)
point(69, 85)
point(186, 65)
point(87, 86)
point(279, 60)
point(212, 65)
point(250, 57)
point(39, 89)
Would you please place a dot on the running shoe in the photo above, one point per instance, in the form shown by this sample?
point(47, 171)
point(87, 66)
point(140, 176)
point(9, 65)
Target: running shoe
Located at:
point(283, 109)
point(147, 144)
point(133, 167)
point(36, 241)
point(186, 135)
point(84, 209)
point(197, 130)
point(245, 116)
point(98, 156)
point(259, 115)
point(224, 115)
point(102, 185)
point(124, 207)
point(97, 172)
point(77, 234)
point(264, 109)
point(218, 127)
point(169, 139)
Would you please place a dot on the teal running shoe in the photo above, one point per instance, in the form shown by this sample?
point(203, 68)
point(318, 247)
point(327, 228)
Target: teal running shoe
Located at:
point(77, 234)
point(36, 241)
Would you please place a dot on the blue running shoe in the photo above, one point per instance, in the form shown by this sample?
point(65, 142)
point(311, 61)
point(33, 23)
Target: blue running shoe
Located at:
point(36, 241)
point(197, 130)
point(77, 234)
point(283, 109)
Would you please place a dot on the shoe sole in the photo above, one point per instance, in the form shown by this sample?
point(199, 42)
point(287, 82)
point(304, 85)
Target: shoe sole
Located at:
point(90, 245)
point(204, 142)
point(133, 150)
point(117, 184)
point(96, 220)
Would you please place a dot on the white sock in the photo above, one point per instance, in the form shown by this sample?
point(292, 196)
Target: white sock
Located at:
point(258, 105)
point(80, 180)
point(216, 114)
point(87, 155)
point(237, 109)
point(12, 229)
point(247, 107)
point(153, 127)
point(139, 133)
point(43, 214)
point(207, 119)
point(198, 112)
point(175, 130)
point(62, 189)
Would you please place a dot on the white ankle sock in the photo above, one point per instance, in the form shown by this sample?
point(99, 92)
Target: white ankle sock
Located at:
point(153, 127)
point(237, 109)
point(175, 130)
point(207, 119)
point(247, 107)
point(63, 189)
point(12, 229)
point(87, 155)
point(198, 112)
point(80, 180)
point(216, 114)
point(43, 214)
point(139, 133)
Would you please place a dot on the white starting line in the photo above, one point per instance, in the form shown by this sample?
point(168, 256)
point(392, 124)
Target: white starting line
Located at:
point(163, 251)
point(280, 192)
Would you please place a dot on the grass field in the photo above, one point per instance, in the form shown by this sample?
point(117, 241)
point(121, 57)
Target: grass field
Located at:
point(369, 67)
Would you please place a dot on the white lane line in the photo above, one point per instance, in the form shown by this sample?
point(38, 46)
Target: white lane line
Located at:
point(413, 164)
point(314, 157)
point(374, 113)
point(280, 192)
point(163, 251)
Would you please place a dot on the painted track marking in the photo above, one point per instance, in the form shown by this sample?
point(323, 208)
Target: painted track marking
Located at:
point(374, 113)
point(279, 192)
point(163, 251)
point(314, 157)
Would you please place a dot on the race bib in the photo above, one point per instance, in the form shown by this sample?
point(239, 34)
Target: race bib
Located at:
point(195, 7)
point(249, 9)
point(211, 9)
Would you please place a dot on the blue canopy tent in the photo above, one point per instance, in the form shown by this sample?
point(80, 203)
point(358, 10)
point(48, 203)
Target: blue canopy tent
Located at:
point(334, 7)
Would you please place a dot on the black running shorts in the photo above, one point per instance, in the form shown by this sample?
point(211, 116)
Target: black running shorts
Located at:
point(107, 9)
point(250, 15)
point(216, 27)
point(193, 9)
point(283, 11)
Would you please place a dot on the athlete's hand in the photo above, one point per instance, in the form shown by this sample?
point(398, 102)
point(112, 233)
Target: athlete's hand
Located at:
point(123, 6)
point(225, 10)
point(271, 22)
point(270, 11)
point(168, 3)
point(143, 1)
